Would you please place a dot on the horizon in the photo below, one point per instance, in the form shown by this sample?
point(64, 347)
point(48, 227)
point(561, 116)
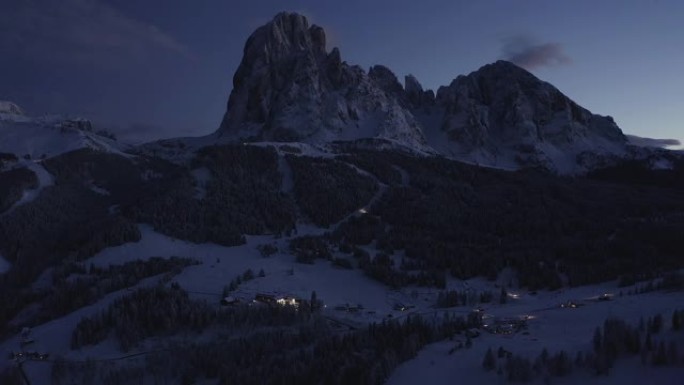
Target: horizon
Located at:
point(175, 68)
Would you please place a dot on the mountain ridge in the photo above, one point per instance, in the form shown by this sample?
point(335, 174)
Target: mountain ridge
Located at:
point(42, 137)
point(289, 88)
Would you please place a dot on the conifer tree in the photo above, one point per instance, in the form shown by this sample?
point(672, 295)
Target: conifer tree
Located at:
point(489, 362)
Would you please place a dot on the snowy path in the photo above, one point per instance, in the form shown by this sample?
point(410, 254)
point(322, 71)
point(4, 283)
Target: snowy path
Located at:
point(310, 229)
point(405, 177)
point(45, 179)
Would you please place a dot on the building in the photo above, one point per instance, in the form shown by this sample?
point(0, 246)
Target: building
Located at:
point(269, 299)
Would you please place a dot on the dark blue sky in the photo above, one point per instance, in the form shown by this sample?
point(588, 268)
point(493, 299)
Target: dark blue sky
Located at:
point(164, 68)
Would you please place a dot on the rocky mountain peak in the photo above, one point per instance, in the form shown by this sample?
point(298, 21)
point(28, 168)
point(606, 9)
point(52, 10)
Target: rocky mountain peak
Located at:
point(504, 109)
point(415, 94)
point(285, 34)
point(412, 85)
point(288, 88)
point(504, 66)
point(386, 79)
point(7, 107)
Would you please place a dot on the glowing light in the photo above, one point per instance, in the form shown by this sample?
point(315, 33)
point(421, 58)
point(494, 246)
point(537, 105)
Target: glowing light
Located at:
point(286, 302)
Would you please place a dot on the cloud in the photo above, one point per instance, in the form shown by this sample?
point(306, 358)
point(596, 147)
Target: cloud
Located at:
point(650, 142)
point(80, 31)
point(524, 52)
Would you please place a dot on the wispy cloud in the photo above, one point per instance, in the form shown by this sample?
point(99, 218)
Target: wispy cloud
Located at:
point(525, 52)
point(650, 142)
point(80, 31)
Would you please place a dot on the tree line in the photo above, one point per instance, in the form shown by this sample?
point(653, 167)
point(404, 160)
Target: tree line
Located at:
point(308, 351)
point(552, 230)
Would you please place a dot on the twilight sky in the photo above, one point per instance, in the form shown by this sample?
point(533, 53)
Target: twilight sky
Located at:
point(162, 68)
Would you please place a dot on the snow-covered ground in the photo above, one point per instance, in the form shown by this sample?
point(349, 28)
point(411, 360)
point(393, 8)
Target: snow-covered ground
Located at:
point(222, 264)
point(550, 326)
point(49, 136)
point(54, 337)
point(45, 179)
point(435, 366)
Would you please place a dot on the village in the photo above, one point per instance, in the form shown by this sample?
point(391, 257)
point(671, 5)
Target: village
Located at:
point(401, 307)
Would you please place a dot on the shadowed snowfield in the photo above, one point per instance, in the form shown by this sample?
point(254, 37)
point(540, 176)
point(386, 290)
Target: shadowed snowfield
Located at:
point(550, 326)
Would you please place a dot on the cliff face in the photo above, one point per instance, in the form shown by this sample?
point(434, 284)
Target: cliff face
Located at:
point(506, 115)
point(503, 103)
point(288, 87)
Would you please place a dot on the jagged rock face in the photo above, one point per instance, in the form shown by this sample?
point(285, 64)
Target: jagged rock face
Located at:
point(417, 97)
point(503, 110)
point(502, 103)
point(387, 81)
point(288, 88)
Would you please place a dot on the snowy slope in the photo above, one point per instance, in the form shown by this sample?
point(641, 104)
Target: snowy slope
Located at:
point(553, 328)
point(9, 108)
point(503, 116)
point(221, 264)
point(50, 136)
point(288, 87)
point(45, 179)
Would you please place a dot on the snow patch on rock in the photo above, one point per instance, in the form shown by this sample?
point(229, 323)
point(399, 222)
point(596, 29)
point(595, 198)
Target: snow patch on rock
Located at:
point(9, 108)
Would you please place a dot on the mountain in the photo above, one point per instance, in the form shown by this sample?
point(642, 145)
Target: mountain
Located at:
point(48, 136)
point(290, 88)
point(505, 115)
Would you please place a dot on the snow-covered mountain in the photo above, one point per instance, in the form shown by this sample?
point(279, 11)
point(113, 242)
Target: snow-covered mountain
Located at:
point(503, 115)
point(9, 108)
point(289, 88)
point(48, 136)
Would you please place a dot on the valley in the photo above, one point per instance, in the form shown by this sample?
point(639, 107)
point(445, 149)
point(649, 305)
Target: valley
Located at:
point(342, 227)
